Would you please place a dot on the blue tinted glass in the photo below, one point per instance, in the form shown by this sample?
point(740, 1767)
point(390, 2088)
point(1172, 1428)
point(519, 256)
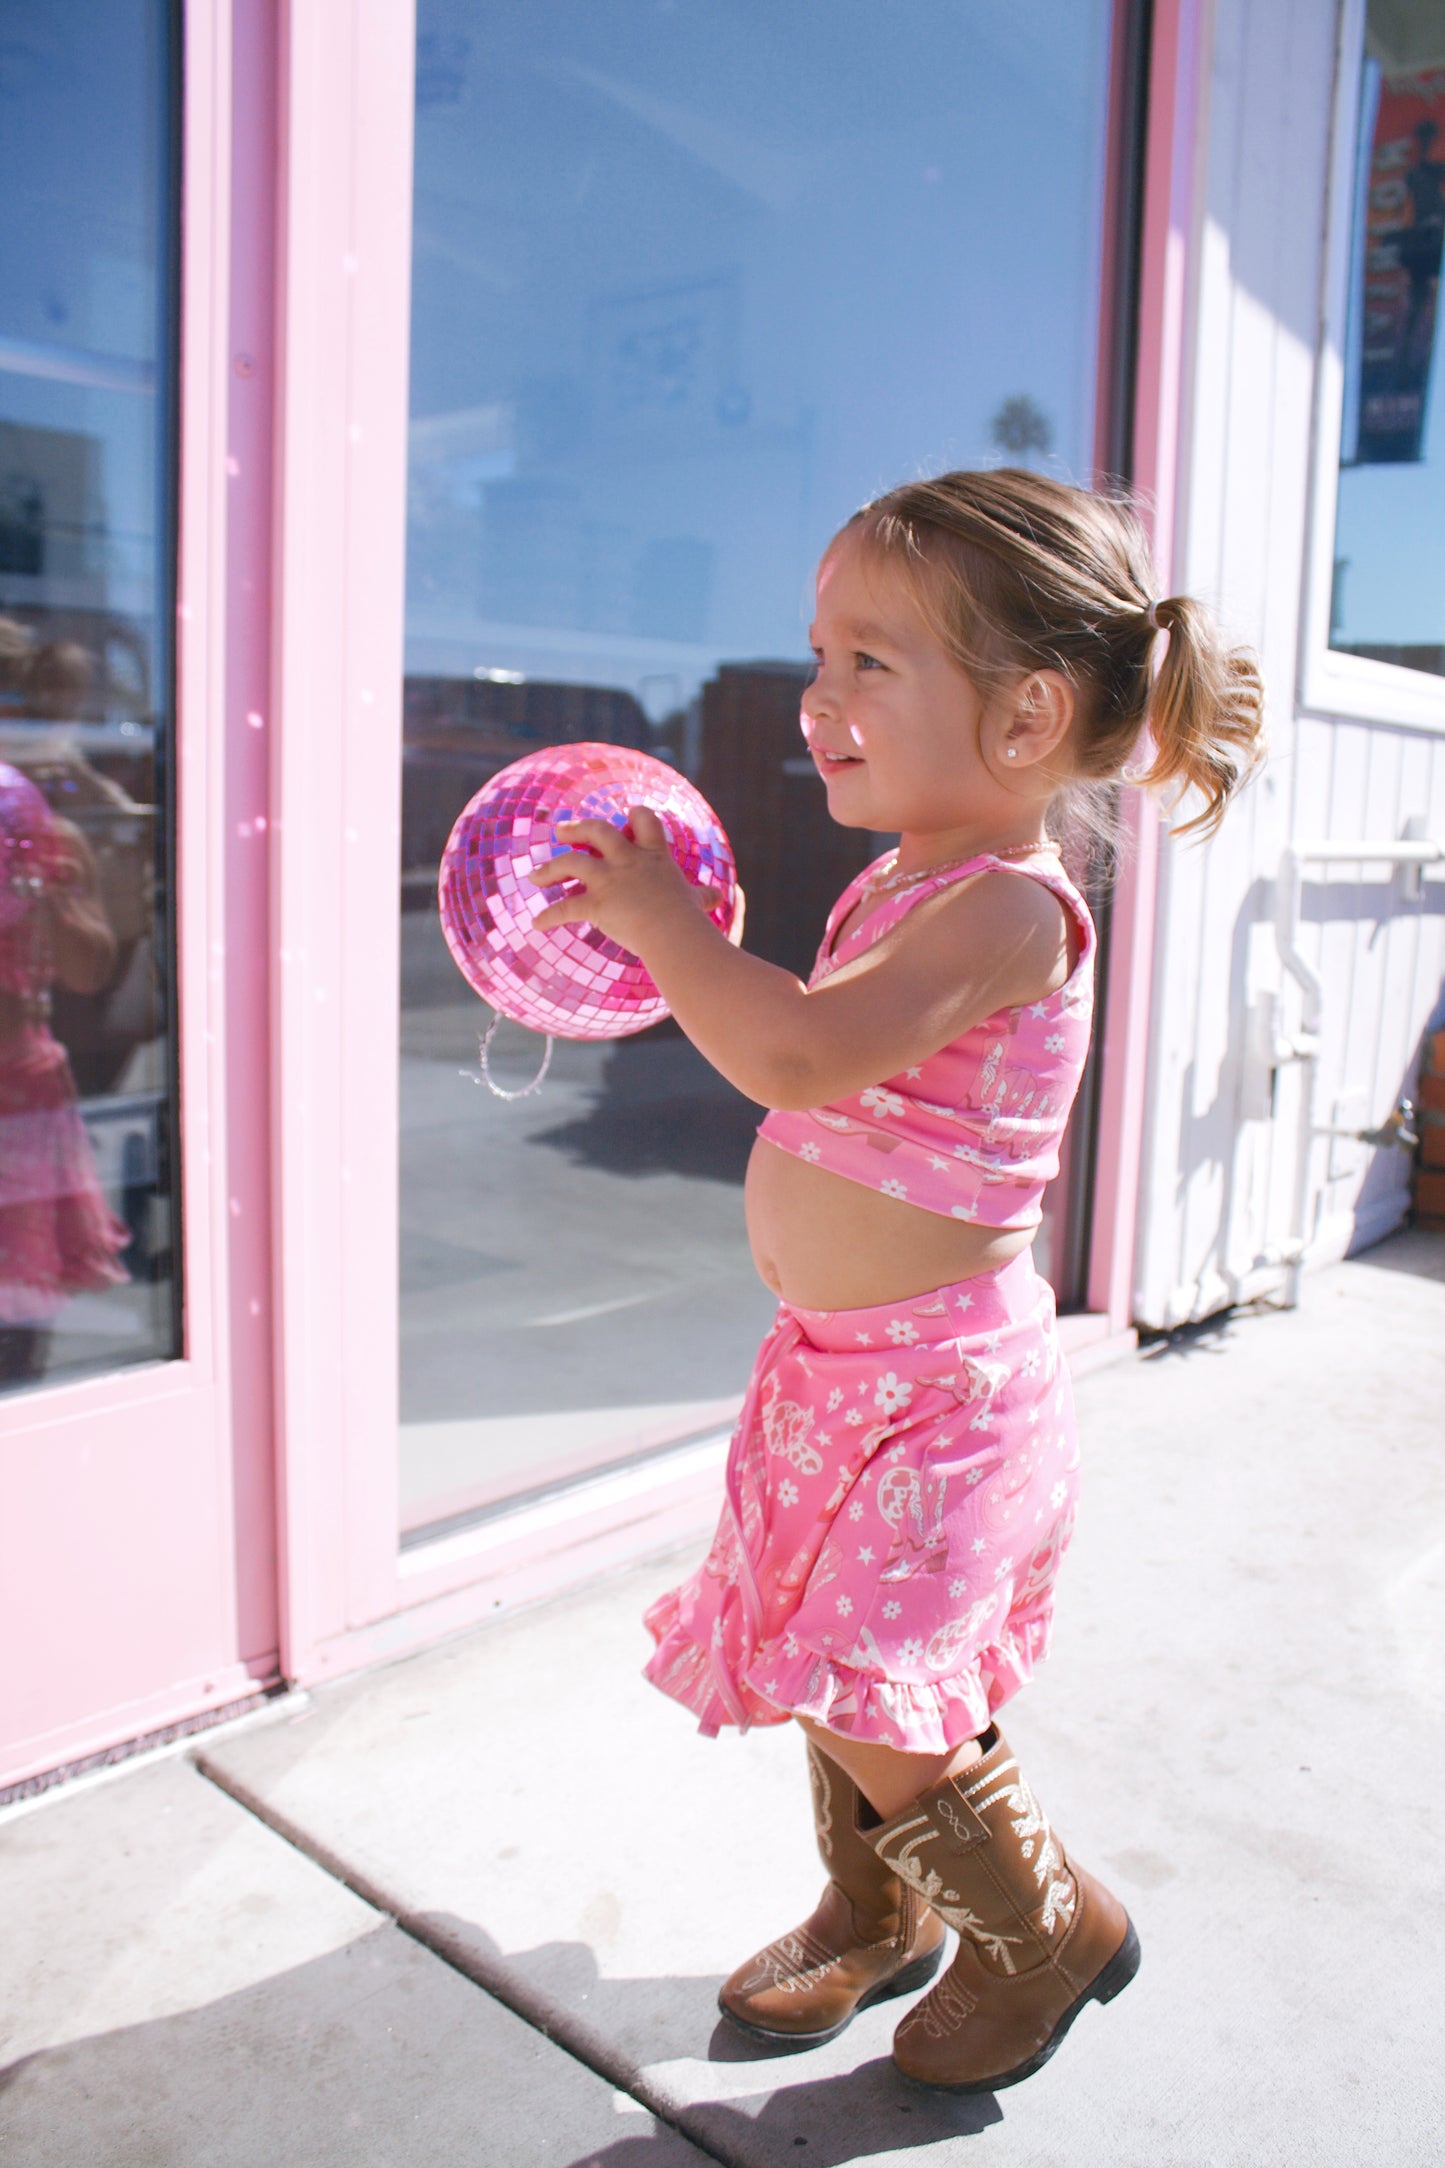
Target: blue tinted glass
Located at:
point(690, 283)
point(1389, 584)
point(87, 124)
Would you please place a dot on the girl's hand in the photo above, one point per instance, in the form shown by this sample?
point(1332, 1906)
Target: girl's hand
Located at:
point(628, 880)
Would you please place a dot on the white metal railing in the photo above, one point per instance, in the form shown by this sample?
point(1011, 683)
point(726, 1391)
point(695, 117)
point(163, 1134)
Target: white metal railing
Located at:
point(1409, 855)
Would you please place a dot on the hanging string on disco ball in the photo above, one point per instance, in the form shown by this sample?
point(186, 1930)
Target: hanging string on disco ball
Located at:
point(569, 982)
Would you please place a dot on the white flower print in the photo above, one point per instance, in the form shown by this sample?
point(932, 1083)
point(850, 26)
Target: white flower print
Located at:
point(958, 1587)
point(865, 1555)
point(812, 1152)
point(835, 1398)
point(854, 1418)
point(974, 1475)
point(1030, 1363)
point(845, 1607)
point(894, 1189)
point(1058, 1494)
point(1005, 1565)
point(896, 1452)
point(790, 1644)
point(855, 1511)
point(1054, 1043)
point(902, 1331)
point(787, 1493)
point(982, 1421)
point(879, 1101)
point(893, 1395)
point(893, 1609)
point(911, 1652)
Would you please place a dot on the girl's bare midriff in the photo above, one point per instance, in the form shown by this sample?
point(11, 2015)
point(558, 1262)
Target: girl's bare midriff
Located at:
point(826, 1243)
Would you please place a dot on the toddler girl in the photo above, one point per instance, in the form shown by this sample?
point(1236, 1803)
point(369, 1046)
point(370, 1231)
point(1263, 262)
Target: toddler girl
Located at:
point(901, 1484)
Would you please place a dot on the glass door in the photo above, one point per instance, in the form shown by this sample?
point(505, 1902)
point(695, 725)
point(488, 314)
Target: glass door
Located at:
point(117, 1507)
point(688, 286)
point(88, 1223)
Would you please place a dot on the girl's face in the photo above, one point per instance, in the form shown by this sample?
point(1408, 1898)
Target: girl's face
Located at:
point(900, 736)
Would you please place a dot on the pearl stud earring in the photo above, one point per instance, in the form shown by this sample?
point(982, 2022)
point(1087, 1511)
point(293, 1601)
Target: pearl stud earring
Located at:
point(1011, 752)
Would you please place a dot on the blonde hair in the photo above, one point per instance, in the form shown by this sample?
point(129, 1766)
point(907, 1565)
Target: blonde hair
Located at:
point(1017, 572)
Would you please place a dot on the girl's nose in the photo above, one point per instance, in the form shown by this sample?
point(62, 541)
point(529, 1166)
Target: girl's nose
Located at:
point(817, 705)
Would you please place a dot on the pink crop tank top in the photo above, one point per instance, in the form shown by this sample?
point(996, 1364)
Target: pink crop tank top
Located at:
point(974, 1131)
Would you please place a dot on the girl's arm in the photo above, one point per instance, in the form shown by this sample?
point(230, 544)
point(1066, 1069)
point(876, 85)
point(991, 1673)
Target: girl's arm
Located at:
point(81, 941)
point(990, 943)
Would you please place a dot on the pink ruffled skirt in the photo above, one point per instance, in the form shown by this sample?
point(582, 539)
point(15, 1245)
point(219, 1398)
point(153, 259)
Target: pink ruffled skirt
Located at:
point(900, 1490)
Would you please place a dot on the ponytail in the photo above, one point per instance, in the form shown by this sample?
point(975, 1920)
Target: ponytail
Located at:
point(1205, 713)
point(1015, 571)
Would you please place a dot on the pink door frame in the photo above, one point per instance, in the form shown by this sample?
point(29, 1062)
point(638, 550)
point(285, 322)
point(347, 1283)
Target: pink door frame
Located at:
point(1177, 63)
point(347, 1595)
point(136, 1509)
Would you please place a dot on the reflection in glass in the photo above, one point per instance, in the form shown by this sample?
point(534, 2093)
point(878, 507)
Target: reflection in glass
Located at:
point(1388, 597)
point(86, 1101)
point(689, 285)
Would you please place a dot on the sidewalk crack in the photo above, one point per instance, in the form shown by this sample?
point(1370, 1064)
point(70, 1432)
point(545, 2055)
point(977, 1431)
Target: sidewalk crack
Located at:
point(560, 2027)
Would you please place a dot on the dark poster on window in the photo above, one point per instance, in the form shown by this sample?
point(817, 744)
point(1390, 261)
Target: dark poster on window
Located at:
point(1404, 230)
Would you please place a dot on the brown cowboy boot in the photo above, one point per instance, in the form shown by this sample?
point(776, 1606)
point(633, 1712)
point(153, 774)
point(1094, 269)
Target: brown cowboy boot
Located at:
point(869, 1938)
point(1037, 1936)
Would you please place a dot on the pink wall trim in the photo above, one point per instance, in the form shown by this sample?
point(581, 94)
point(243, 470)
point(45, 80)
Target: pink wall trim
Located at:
point(250, 414)
point(339, 530)
point(1163, 321)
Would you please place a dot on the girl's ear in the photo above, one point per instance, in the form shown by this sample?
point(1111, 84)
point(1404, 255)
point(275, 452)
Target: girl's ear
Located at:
point(1032, 720)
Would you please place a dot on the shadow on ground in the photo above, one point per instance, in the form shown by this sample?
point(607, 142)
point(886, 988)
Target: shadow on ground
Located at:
point(1419, 1251)
point(840, 2115)
point(709, 1141)
point(376, 2053)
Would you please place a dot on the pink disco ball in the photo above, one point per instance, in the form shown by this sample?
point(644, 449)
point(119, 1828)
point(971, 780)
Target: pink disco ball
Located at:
point(28, 856)
point(572, 981)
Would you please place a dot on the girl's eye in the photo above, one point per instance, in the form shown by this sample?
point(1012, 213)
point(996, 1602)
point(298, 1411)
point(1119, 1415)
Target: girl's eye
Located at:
point(867, 662)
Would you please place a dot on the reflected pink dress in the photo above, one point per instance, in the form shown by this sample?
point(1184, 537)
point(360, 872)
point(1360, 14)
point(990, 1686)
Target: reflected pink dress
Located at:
point(58, 1236)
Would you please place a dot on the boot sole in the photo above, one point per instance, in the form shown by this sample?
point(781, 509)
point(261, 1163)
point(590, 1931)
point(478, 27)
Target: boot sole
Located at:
point(1105, 1985)
point(916, 1974)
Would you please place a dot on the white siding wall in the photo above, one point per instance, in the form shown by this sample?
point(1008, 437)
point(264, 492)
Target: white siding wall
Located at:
point(1218, 1163)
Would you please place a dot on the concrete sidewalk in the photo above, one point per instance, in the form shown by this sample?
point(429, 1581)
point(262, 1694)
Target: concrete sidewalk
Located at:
point(474, 1908)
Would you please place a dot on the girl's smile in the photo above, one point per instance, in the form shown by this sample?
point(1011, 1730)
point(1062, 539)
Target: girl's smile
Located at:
point(891, 721)
point(903, 739)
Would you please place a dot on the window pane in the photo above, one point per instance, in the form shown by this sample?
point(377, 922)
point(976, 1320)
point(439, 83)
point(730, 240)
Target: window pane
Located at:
point(690, 283)
point(1389, 585)
point(87, 1236)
